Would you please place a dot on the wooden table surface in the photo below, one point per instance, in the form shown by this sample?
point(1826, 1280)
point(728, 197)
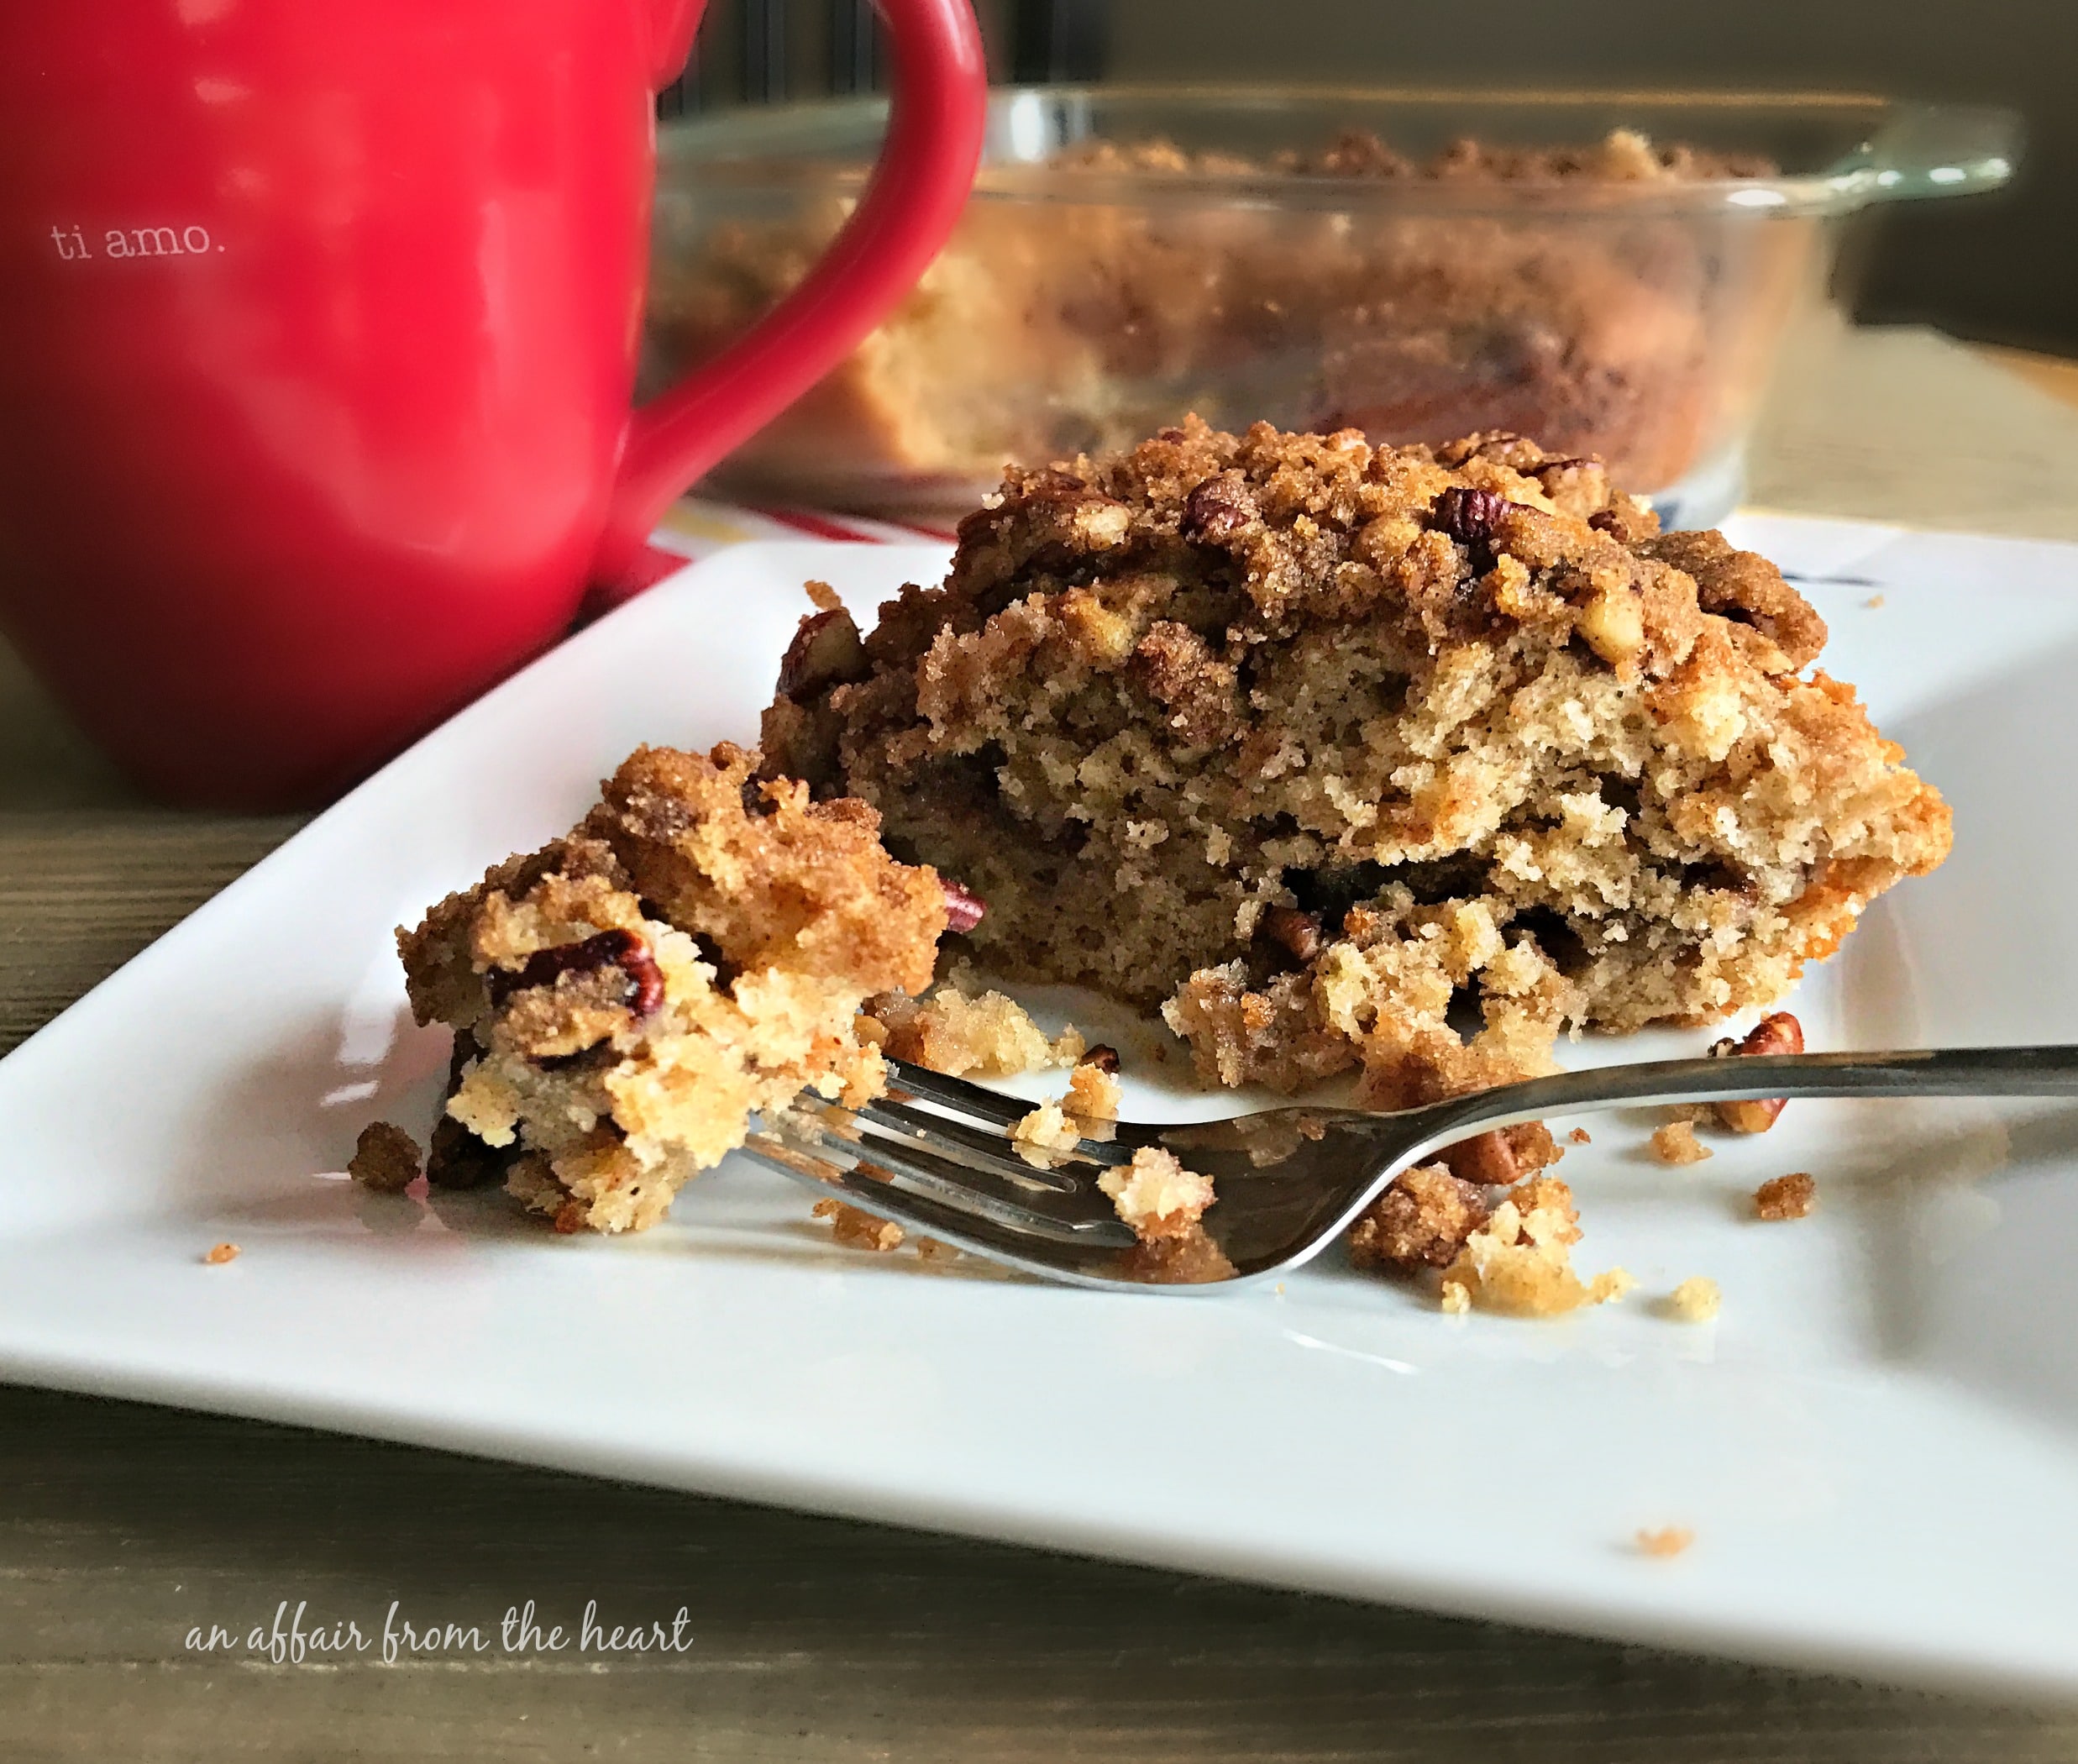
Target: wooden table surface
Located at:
point(123, 1526)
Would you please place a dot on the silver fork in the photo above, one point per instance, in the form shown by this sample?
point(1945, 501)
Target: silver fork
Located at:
point(934, 1154)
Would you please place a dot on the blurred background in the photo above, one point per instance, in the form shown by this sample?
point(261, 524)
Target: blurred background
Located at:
point(2002, 269)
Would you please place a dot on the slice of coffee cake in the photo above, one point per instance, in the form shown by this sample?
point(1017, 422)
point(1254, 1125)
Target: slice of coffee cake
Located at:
point(695, 950)
point(1397, 760)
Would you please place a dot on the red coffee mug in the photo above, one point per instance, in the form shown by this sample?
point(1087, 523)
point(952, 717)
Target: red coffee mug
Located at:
point(318, 324)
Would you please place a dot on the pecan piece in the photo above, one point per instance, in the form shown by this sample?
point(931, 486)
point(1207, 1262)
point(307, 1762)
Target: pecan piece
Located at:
point(1488, 1159)
point(1778, 1034)
point(1297, 934)
point(826, 652)
point(964, 907)
point(1502, 1155)
point(617, 949)
point(1103, 1057)
point(1219, 508)
point(1469, 515)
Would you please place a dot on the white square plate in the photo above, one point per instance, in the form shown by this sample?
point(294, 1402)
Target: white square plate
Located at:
point(1873, 1444)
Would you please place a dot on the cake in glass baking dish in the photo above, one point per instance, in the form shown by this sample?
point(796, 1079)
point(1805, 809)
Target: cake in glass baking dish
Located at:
point(1600, 295)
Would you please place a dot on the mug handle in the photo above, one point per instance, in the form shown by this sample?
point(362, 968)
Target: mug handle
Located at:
point(911, 204)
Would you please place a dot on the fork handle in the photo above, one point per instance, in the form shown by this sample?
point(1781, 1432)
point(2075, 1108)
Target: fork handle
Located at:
point(2051, 1071)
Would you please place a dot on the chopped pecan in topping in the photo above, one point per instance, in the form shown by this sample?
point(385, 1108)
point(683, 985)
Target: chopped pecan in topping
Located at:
point(963, 908)
point(826, 651)
point(621, 949)
point(1469, 515)
point(1103, 1057)
point(1295, 932)
point(1219, 507)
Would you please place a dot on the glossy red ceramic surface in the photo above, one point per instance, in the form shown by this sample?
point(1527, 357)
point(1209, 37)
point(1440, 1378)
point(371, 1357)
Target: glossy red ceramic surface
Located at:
point(318, 322)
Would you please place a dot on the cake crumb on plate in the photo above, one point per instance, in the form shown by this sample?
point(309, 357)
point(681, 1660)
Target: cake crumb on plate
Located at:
point(1089, 1110)
point(221, 1253)
point(385, 1159)
point(1677, 1143)
point(1520, 1261)
point(1785, 1197)
point(1163, 1203)
point(1668, 1541)
point(1695, 1300)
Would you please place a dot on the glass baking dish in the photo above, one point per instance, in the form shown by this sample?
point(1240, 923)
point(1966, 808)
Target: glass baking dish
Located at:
point(1609, 273)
